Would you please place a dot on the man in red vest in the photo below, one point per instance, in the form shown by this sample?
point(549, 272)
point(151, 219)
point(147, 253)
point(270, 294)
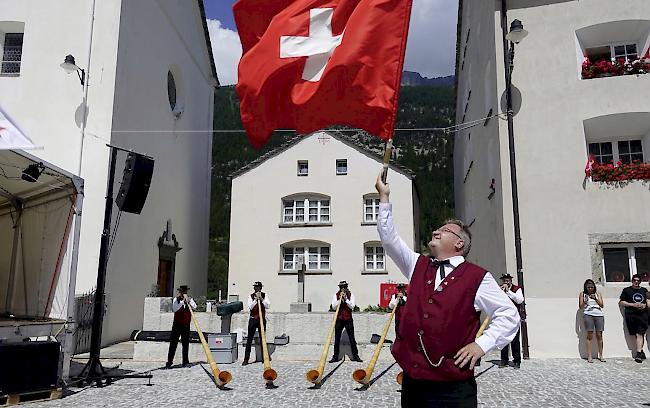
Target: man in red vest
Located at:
point(515, 294)
point(181, 325)
point(344, 320)
point(398, 300)
point(254, 319)
point(437, 346)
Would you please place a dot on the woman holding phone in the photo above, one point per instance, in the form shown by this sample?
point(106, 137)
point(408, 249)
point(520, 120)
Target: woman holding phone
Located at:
point(591, 302)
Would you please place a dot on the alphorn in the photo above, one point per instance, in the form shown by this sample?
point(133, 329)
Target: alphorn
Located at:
point(269, 374)
point(363, 376)
point(314, 376)
point(480, 331)
point(220, 377)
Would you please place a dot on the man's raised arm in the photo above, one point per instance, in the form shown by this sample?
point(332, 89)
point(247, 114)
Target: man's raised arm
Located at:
point(403, 256)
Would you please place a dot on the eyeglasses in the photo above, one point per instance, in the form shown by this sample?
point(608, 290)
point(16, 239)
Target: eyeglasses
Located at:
point(445, 229)
point(636, 280)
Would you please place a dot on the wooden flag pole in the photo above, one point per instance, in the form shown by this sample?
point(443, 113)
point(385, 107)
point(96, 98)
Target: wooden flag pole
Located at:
point(388, 152)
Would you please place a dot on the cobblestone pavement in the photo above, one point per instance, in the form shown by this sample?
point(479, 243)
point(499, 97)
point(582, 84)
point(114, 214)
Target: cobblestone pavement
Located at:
point(539, 383)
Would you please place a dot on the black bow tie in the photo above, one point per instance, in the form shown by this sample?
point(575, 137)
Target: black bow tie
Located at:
point(436, 263)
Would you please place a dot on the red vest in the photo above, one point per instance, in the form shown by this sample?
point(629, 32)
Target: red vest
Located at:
point(345, 313)
point(444, 318)
point(183, 316)
point(255, 312)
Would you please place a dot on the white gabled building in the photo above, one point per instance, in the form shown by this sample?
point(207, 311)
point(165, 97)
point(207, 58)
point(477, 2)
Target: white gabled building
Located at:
point(315, 197)
point(149, 77)
point(572, 228)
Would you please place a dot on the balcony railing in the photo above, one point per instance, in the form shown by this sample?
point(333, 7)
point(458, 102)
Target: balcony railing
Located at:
point(615, 67)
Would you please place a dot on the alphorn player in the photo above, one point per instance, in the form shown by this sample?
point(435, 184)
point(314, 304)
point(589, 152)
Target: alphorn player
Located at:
point(181, 325)
point(437, 345)
point(254, 319)
point(398, 300)
point(344, 320)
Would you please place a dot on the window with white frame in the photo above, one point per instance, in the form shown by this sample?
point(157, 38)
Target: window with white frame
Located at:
point(626, 51)
point(342, 166)
point(293, 210)
point(625, 151)
point(303, 167)
point(370, 208)
point(12, 52)
point(374, 257)
point(621, 261)
point(316, 256)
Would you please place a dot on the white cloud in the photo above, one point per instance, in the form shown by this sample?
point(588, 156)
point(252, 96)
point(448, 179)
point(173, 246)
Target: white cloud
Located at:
point(431, 47)
point(227, 51)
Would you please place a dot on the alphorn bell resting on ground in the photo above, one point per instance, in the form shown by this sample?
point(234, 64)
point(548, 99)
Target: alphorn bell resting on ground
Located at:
point(255, 315)
point(437, 345)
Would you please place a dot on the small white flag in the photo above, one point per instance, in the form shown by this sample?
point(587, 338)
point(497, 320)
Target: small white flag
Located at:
point(10, 136)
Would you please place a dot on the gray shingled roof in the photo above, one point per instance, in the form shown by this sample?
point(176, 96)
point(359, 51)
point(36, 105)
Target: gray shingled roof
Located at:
point(340, 135)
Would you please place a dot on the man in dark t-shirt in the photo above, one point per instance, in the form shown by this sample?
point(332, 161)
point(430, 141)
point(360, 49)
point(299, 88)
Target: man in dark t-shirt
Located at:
point(635, 300)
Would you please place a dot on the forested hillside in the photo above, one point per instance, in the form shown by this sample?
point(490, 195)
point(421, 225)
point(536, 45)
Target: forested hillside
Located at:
point(426, 153)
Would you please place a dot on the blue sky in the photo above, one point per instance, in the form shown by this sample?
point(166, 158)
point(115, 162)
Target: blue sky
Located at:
point(431, 47)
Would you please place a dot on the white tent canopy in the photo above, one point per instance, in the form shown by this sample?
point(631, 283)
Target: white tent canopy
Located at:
point(37, 219)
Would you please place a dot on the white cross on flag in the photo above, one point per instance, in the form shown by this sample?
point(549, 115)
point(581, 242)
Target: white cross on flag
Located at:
point(10, 136)
point(310, 64)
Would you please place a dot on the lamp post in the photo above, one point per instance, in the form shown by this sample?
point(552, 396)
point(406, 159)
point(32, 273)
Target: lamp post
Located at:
point(514, 36)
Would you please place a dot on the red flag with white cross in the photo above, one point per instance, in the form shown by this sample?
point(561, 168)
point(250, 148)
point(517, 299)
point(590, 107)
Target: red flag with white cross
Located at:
point(310, 64)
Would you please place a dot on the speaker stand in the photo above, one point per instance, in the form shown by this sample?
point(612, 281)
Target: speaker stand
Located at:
point(94, 371)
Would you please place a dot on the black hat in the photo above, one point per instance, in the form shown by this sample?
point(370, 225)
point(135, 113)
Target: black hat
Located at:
point(343, 284)
point(183, 288)
point(506, 276)
point(258, 283)
point(401, 285)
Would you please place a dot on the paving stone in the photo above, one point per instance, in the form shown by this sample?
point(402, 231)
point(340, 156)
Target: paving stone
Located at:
point(539, 383)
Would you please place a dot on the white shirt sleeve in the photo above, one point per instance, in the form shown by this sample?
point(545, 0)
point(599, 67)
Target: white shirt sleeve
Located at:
point(176, 305)
point(403, 256)
point(393, 302)
point(335, 302)
point(517, 297)
point(350, 301)
point(251, 303)
point(266, 301)
point(193, 304)
point(504, 317)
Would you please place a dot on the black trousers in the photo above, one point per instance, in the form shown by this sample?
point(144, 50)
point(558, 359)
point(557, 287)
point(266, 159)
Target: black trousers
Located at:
point(516, 350)
point(184, 333)
point(439, 394)
point(348, 325)
point(253, 324)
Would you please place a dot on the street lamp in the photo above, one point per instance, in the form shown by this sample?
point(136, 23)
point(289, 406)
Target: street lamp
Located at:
point(70, 66)
point(514, 36)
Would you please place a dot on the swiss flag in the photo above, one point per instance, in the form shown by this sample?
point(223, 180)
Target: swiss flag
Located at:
point(309, 64)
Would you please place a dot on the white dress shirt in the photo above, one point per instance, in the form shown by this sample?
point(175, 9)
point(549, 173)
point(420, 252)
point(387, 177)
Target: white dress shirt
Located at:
point(349, 301)
point(517, 297)
point(393, 301)
point(504, 317)
point(265, 301)
point(176, 305)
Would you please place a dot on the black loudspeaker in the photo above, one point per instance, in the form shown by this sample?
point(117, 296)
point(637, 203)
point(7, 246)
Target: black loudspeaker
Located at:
point(136, 180)
point(29, 366)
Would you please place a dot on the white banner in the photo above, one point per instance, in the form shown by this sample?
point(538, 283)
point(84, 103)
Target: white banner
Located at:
point(10, 136)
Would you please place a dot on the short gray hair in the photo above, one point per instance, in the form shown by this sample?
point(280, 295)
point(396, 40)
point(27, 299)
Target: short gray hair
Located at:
point(465, 234)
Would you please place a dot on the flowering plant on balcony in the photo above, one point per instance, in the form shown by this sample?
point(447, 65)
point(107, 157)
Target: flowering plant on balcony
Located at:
point(615, 67)
point(617, 173)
